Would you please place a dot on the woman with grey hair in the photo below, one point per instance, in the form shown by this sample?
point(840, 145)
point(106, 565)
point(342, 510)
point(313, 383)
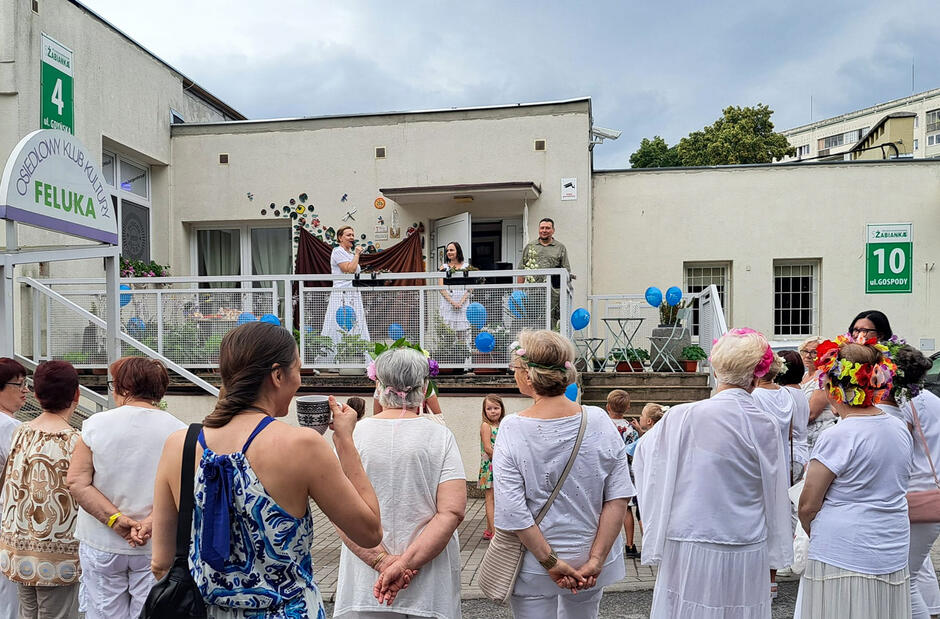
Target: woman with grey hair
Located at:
point(416, 468)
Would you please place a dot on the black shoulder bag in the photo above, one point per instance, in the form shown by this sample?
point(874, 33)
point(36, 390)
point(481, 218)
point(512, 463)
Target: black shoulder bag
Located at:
point(175, 596)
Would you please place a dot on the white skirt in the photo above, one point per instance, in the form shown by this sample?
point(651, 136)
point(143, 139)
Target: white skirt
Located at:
point(338, 298)
point(455, 318)
point(699, 580)
point(830, 592)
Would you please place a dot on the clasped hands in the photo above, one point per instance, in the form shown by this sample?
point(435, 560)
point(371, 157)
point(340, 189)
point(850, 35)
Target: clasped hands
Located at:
point(584, 577)
point(134, 532)
point(394, 576)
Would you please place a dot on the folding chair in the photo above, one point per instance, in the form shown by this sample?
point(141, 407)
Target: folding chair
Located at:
point(662, 355)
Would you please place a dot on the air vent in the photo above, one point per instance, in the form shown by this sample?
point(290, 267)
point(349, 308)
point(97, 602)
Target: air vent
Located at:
point(540, 145)
point(380, 152)
point(223, 158)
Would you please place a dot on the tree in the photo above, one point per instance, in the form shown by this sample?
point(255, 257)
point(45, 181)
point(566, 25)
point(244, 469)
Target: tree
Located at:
point(741, 135)
point(655, 153)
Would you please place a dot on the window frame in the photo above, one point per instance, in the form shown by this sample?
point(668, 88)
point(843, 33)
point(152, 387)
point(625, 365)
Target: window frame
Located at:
point(815, 295)
point(244, 240)
point(121, 194)
point(725, 295)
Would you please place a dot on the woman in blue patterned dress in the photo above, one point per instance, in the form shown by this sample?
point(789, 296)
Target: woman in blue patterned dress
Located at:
point(252, 528)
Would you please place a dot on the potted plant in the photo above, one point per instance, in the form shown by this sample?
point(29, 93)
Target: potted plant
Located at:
point(449, 347)
point(669, 314)
point(690, 356)
point(351, 350)
point(629, 359)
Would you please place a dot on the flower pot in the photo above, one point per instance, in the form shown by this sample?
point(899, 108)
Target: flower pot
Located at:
point(689, 366)
point(629, 366)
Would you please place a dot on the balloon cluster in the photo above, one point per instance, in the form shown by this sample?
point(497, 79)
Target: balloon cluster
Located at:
point(654, 296)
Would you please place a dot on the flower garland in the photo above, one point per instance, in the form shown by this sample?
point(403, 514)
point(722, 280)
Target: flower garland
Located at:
point(380, 347)
point(856, 384)
point(903, 391)
point(530, 262)
point(517, 350)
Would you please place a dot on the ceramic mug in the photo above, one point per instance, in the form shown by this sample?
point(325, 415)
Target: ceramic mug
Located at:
point(313, 411)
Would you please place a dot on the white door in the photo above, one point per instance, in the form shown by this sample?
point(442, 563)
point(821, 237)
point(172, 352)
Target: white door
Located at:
point(512, 241)
point(447, 230)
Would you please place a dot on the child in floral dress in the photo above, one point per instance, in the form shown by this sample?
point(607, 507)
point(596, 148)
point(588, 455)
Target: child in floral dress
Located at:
point(493, 413)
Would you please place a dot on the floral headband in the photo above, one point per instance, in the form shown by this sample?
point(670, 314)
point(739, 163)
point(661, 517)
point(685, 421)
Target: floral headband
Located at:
point(902, 392)
point(856, 384)
point(517, 351)
point(433, 367)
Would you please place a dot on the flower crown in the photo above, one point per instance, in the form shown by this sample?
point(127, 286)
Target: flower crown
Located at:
point(516, 350)
point(856, 384)
point(380, 347)
point(907, 391)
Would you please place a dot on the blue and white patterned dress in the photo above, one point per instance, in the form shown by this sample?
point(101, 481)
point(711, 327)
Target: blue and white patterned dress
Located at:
point(267, 571)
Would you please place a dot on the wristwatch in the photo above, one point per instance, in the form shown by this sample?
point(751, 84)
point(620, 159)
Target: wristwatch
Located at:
point(550, 560)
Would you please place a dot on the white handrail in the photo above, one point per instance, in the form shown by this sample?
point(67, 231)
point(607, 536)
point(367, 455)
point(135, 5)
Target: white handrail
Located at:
point(99, 400)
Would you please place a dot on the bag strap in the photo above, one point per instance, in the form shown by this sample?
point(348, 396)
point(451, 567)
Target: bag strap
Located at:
point(564, 474)
point(920, 430)
point(185, 522)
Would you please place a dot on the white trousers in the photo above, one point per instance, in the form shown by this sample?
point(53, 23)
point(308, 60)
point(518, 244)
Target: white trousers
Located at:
point(113, 586)
point(928, 587)
point(582, 605)
point(923, 535)
point(9, 599)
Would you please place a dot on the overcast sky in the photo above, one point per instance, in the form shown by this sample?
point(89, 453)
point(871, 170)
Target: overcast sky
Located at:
point(651, 68)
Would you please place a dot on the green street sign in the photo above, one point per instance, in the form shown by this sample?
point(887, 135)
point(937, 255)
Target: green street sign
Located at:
point(889, 259)
point(57, 86)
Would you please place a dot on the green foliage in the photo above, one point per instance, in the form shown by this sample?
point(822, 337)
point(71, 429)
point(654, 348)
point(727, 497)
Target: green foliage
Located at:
point(180, 343)
point(629, 354)
point(139, 268)
point(315, 345)
point(655, 153)
point(352, 348)
point(448, 344)
point(693, 353)
point(75, 357)
point(741, 135)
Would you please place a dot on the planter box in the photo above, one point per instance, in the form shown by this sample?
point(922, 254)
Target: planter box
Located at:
point(689, 366)
point(629, 366)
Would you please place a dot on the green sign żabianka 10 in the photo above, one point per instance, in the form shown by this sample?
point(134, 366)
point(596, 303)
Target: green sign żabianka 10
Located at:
point(889, 258)
point(57, 86)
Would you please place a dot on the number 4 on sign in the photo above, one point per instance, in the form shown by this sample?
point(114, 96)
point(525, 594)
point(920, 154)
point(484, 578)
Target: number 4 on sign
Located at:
point(57, 96)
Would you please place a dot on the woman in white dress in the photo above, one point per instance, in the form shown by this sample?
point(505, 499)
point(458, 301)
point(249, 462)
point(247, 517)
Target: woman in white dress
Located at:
point(576, 550)
point(712, 480)
point(418, 474)
point(853, 506)
point(906, 394)
point(454, 299)
point(820, 413)
point(345, 260)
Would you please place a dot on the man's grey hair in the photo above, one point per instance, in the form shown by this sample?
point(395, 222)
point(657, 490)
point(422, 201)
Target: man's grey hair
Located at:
point(402, 378)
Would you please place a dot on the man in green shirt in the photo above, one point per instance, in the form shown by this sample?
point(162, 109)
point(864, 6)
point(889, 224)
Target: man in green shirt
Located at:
point(547, 253)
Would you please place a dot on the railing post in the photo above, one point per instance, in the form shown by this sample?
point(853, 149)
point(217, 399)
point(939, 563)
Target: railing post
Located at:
point(288, 305)
point(421, 318)
point(300, 323)
point(112, 310)
point(37, 324)
point(160, 322)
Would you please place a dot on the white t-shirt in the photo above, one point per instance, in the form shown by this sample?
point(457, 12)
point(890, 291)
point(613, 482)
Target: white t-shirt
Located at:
point(406, 460)
point(125, 443)
point(863, 523)
point(339, 256)
point(778, 403)
point(928, 412)
point(529, 457)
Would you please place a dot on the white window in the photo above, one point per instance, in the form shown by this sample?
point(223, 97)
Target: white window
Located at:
point(701, 275)
point(802, 151)
point(256, 249)
point(796, 297)
point(933, 120)
point(131, 199)
point(915, 143)
point(916, 118)
point(930, 140)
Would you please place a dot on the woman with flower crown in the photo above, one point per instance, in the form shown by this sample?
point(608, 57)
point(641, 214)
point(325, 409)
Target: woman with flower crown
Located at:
point(416, 469)
point(853, 505)
point(907, 396)
point(712, 479)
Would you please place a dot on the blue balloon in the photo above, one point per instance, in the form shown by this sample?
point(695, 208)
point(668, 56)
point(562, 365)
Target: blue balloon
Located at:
point(136, 326)
point(345, 317)
point(476, 315)
point(673, 295)
point(271, 319)
point(654, 296)
point(580, 318)
point(485, 342)
point(308, 330)
point(571, 392)
point(517, 303)
point(246, 317)
point(395, 331)
point(125, 298)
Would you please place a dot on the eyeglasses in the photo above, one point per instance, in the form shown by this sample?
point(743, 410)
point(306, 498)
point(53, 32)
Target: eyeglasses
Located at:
point(22, 385)
point(111, 385)
point(863, 331)
point(808, 353)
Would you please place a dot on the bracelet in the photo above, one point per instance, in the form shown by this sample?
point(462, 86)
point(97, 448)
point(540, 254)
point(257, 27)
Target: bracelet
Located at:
point(551, 560)
point(379, 558)
point(113, 519)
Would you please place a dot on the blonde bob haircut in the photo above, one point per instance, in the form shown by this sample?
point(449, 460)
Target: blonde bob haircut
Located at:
point(735, 356)
point(548, 348)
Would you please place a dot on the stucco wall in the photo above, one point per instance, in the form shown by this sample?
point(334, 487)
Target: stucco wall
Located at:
point(647, 223)
point(327, 158)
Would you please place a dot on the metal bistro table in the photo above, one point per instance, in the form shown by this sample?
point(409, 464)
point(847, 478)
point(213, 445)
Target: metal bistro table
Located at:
point(622, 331)
point(588, 349)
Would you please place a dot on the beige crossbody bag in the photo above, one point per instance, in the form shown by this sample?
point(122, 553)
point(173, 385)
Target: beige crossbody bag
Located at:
point(503, 558)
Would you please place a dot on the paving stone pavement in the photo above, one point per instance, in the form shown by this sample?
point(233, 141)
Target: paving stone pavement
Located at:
point(326, 547)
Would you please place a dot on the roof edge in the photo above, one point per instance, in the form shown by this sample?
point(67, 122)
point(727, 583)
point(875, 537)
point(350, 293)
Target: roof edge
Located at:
point(778, 165)
point(818, 124)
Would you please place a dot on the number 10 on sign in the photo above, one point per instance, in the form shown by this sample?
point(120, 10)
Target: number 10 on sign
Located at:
point(888, 259)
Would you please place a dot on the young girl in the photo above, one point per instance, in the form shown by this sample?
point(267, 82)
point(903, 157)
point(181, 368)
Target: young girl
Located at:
point(493, 413)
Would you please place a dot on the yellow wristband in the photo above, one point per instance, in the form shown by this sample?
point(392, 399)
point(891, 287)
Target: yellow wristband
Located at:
point(113, 519)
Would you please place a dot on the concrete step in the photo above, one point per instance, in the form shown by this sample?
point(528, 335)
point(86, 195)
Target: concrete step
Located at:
point(623, 380)
point(677, 393)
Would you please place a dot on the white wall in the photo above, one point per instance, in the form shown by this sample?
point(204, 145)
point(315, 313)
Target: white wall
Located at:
point(648, 222)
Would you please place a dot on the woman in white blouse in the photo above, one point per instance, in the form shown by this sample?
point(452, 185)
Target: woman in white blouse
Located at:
point(454, 300)
point(576, 550)
point(853, 506)
point(345, 260)
point(908, 393)
point(712, 480)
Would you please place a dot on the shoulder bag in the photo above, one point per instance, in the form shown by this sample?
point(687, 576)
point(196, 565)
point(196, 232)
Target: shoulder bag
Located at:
point(503, 557)
point(175, 596)
point(924, 505)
